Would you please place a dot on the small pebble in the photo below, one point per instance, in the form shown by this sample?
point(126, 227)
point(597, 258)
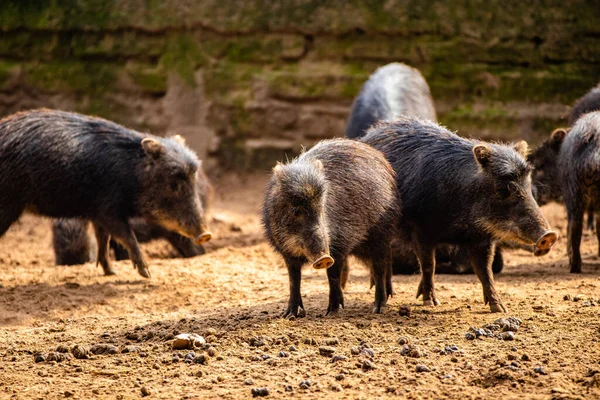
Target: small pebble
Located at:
point(525, 357)
point(367, 352)
point(326, 351)
point(567, 297)
point(80, 352)
point(470, 336)
point(145, 391)
point(422, 368)
point(355, 350)
point(340, 377)
point(283, 354)
point(507, 335)
point(39, 357)
point(336, 387)
point(201, 359)
point(130, 349)
point(578, 297)
point(293, 348)
point(539, 370)
point(187, 341)
point(289, 388)
point(211, 331)
point(332, 341)
point(249, 381)
point(338, 357)
point(367, 365)
point(211, 351)
point(403, 340)
point(62, 348)
point(404, 311)
point(305, 384)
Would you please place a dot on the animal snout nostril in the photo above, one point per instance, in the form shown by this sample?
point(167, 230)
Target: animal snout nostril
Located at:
point(546, 241)
point(323, 262)
point(203, 238)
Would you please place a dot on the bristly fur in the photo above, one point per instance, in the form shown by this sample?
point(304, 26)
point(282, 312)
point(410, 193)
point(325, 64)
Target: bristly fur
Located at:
point(458, 191)
point(392, 91)
point(337, 198)
point(67, 165)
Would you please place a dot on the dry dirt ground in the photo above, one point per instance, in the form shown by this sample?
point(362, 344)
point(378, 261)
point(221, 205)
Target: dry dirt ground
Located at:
point(233, 296)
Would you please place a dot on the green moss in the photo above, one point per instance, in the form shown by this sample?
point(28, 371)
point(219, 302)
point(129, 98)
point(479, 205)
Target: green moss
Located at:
point(183, 55)
point(7, 70)
point(314, 84)
point(88, 77)
point(149, 78)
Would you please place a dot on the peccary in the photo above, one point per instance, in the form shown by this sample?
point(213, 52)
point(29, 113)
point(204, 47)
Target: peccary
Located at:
point(588, 103)
point(337, 199)
point(567, 169)
point(67, 165)
point(398, 90)
point(392, 91)
point(463, 192)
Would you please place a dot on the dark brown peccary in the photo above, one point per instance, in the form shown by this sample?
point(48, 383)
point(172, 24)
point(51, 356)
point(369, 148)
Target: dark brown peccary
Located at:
point(335, 200)
point(67, 165)
point(567, 169)
point(392, 91)
point(461, 192)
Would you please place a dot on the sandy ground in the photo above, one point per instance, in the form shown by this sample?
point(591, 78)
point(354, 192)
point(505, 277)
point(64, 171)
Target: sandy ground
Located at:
point(233, 296)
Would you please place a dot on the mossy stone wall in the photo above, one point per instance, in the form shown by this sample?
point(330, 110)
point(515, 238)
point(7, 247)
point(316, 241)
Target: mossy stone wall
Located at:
point(249, 82)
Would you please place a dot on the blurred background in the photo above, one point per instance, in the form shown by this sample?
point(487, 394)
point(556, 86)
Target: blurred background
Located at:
point(249, 82)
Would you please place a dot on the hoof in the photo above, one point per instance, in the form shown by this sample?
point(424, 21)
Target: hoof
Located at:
point(432, 302)
point(109, 272)
point(498, 308)
point(144, 272)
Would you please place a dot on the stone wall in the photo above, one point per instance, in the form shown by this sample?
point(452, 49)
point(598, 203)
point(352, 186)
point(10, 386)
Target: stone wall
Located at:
point(248, 82)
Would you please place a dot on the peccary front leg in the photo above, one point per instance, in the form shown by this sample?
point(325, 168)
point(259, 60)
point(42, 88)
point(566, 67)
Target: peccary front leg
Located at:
point(334, 274)
point(597, 216)
point(103, 239)
point(295, 306)
point(381, 271)
point(345, 272)
point(482, 257)
point(426, 257)
point(122, 232)
point(574, 230)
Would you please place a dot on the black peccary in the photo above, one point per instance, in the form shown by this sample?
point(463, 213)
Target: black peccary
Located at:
point(463, 192)
point(588, 103)
point(66, 165)
point(336, 199)
point(567, 169)
point(392, 91)
point(72, 243)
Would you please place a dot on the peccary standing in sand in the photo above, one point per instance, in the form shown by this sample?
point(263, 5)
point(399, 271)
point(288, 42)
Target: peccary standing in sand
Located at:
point(461, 192)
point(66, 165)
point(334, 200)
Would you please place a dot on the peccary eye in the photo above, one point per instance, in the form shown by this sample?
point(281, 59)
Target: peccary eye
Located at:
point(297, 212)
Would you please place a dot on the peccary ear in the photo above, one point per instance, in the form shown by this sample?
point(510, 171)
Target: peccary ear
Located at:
point(522, 148)
point(152, 147)
point(319, 164)
point(278, 170)
point(179, 139)
point(557, 136)
point(482, 153)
